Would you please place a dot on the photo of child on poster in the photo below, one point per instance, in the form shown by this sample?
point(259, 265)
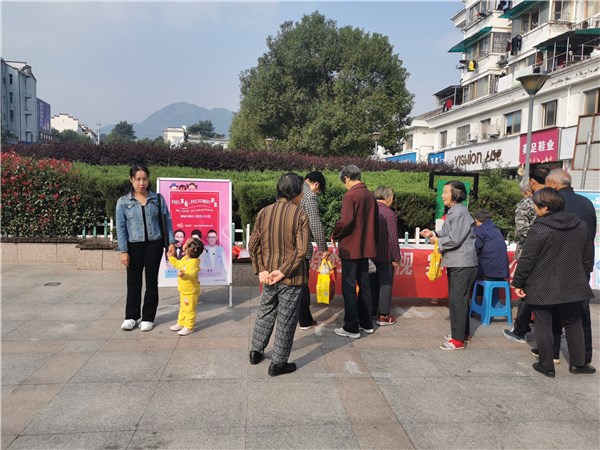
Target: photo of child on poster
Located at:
point(200, 208)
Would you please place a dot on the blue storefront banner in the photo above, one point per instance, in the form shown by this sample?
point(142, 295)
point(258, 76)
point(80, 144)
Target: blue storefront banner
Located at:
point(436, 158)
point(406, 157)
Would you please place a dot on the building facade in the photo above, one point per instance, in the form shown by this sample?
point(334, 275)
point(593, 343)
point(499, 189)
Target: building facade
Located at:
point(62, 122)
point(19, 101)
point(483, 121)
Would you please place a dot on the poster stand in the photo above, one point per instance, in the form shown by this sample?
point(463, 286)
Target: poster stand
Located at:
point(200, 207)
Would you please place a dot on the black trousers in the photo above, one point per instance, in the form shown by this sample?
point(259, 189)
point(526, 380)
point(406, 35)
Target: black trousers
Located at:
point(586, 323)
point(522, 327)
point(570, 314)
point(381, 288)
point(460, 282)
point(305, 318)
point(523, 318)
point(357, 308)
point(144, 257)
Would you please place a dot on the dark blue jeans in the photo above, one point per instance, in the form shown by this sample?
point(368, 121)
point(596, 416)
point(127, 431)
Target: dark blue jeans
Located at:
point(357, 309)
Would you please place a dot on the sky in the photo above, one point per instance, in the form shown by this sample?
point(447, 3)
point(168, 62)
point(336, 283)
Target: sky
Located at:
point(111, 61)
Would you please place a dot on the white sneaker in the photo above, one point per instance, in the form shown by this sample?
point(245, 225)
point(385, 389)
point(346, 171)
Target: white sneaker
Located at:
point(175, 327)
point(367, 330)
point(342, 332)
point(146, 326)
point(129, 324)
point(185, 331)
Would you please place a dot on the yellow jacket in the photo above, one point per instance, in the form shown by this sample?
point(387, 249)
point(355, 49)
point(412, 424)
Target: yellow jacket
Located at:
point(188, 283)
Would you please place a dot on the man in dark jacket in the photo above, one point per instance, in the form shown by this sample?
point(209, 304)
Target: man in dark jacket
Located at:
point(583, 208)
point(356, 232)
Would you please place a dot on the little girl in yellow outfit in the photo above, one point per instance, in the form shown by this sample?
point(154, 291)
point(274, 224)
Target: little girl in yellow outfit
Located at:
point(188, 285)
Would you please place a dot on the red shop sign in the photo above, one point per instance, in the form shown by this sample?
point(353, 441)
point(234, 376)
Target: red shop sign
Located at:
point(544, 146)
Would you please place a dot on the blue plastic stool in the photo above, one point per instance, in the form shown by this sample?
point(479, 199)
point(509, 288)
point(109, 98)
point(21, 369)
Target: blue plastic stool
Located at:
point(491, 305)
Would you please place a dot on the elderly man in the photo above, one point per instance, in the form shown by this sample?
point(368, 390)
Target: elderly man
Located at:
point(314, 184)
point(582, 207)
point(278, 247)
point(356, 232)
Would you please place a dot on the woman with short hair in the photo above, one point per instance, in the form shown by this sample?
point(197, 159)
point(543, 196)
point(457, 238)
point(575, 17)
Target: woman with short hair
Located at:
point(456, 242)
point(552, 276)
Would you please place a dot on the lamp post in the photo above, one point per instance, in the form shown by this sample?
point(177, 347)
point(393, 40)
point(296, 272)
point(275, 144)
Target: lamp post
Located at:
point(531, 84)
point(269, 141)
point(375, 135)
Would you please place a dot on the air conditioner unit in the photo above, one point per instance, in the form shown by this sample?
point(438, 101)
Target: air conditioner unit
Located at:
point(494, 135)
point(472, 137)
point(502, 61)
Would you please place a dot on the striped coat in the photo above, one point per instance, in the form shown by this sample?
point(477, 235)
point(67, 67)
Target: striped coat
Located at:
point(279, 241)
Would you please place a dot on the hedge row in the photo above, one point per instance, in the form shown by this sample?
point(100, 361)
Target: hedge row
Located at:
point(200, 157)
point(252, 190)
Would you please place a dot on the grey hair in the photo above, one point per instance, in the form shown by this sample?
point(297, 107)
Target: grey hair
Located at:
point(351, 171)
point(524, 185)
point(560, 176)
point(383, 193)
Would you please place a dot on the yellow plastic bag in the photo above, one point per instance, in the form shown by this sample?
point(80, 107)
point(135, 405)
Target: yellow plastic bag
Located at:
point(325, 282)
point(435, 263)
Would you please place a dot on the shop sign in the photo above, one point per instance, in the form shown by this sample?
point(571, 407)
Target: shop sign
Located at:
point(478, 157)
point(544, 146)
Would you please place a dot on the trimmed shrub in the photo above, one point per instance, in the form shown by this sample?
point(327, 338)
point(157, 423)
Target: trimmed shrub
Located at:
point(45, 198)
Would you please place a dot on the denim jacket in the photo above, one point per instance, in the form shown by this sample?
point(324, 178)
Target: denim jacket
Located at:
point(130, 224)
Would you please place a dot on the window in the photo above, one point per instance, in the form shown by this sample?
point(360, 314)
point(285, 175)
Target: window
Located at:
point(513, 122)
point(485, 128)
point(12, 115)
point(10, 77)
point(549, 113)
point(591, 102)
point(530, 20)
point(462, 134)
point(408, 144)
point(499, 42)
point(561, 10)
point(10, 97)
point(443, 139)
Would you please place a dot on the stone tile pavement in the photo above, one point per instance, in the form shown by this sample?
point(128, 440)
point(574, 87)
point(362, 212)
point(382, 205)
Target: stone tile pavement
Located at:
point(72, 379)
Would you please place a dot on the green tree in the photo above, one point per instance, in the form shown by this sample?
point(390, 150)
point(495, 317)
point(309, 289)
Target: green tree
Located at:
point(205, 128)
point(322, 89)
point(69, 136)
point(122, 132)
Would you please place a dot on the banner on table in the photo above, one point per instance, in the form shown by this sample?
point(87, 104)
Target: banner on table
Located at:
point(202, 208)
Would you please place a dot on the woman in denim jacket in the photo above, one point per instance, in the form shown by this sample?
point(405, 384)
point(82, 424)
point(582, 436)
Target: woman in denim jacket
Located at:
point(141, 246)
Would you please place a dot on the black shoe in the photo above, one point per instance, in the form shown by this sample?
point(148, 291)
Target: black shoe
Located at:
point(538, 368)
point(281, 369)
point(255, 357)
point(586, 368)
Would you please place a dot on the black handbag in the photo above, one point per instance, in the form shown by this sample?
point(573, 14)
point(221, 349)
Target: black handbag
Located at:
point(162, 220)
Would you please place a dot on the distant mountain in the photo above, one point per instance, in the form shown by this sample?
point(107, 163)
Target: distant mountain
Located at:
point(176, 115)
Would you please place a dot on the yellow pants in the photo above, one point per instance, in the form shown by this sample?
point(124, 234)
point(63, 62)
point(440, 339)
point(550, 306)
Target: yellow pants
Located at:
point(187, 309)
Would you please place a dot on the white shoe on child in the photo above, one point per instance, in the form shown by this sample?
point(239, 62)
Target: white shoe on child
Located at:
point(175, 327)
point(185, 331)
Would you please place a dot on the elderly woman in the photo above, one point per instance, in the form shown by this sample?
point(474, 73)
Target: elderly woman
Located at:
point(552, 276)
point(456, 242)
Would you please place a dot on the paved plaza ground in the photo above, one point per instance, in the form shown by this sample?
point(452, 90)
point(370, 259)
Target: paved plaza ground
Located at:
point(72, 379)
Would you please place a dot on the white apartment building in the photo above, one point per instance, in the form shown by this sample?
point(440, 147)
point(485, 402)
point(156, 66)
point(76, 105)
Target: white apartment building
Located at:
point(19, 101)
point(62, 122)
point(176, 136)
point(483, 121)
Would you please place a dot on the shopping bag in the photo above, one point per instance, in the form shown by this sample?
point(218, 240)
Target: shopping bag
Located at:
point(435, 263)
point(325, 282)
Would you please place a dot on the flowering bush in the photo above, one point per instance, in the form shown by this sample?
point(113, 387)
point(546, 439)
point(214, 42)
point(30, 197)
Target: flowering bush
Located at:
point(44, 198)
